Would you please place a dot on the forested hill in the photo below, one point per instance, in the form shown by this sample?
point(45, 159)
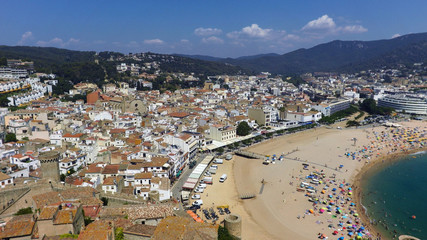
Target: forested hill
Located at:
point(45, 56)
point(343, 56)
point(80, 66)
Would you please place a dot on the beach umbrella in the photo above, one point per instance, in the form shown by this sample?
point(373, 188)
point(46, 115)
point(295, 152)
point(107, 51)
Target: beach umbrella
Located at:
point(344, 216)
point(335, 232)
point(322, 210)
point(350, 234)
point(341, 238)
point(352, 204)
point(334, 189)
point(311, 211)
point(356, 215)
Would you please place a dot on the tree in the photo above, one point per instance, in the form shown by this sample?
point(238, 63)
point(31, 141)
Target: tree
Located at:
point(10, 137)
point(369, 105)
point(119, 234)
point(220, 150)
point(243, 129)
point(24, 211)
point(352, 123)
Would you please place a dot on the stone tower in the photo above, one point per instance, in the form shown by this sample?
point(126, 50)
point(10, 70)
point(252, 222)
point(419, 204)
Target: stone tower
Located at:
point(50, 165)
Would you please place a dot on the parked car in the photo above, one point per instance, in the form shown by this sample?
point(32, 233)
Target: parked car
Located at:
point(197, 196)
point(198, 203)
point(219, 161)
point(214, 167)
point(199, 190)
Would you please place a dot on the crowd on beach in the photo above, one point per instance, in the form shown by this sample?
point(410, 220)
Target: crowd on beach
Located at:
point(389, 141)
point(335, 197)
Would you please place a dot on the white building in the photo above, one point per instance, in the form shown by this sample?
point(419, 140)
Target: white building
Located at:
point(5, 180)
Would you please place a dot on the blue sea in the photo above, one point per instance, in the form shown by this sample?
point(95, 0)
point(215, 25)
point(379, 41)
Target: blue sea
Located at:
point(394, 193)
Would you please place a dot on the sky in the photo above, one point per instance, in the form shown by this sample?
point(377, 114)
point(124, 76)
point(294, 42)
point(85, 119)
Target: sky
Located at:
point(220, 28)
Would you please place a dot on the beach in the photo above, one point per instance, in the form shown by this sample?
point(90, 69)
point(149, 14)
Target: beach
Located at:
point(279, 211)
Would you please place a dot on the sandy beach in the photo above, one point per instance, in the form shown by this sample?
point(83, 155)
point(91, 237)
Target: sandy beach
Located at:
point(279, 211)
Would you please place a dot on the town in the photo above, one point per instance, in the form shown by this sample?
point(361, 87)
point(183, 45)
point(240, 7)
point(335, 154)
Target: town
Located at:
point(119, 158)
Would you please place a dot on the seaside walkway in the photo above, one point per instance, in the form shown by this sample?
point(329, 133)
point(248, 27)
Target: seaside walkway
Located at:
point(308, 162)
point(249, 154)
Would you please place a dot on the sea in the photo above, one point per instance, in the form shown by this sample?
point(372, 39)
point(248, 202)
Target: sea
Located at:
point(395, 197)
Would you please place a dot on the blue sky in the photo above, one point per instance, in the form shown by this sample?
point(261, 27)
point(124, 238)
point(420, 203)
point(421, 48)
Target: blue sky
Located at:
point(222, 28)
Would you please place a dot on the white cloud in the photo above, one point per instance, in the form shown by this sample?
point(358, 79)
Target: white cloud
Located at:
point(323, 22)
point(58, 42)
point(325, 25)
point(25, 37)
point(396, 35)
point(353, 29)
point(207, 31)
point(213, 39)
point(292, 37)
point(255, 31)
point(154, 41)
point(184, 41)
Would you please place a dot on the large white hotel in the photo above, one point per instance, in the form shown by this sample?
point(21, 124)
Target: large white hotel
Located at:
point(416, 104)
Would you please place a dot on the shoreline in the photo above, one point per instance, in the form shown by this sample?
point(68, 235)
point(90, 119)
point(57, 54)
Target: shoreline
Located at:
point(325, 148)
point(379, 164)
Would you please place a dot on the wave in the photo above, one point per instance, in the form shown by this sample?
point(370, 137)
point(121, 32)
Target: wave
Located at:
point(419, 153)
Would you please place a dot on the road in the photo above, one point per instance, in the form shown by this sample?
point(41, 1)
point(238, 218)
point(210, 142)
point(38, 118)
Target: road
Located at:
point(177, 186)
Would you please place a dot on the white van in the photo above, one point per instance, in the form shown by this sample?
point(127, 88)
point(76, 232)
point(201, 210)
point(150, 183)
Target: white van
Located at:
point(219, 161)
point(223, 178)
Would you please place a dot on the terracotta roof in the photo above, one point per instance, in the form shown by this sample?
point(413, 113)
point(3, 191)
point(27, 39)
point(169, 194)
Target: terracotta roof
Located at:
point(145, 175)
point(91, 211)
point(45, 199)
point(68, 135)
point(97, 230)
point(111, 169)
point(18, 226)
point(141, 229)
point(109, 181)
point(47, 212)
point(179, 114)
point(135, 212)
point(65, 216)
point(4, 176)
point(184, 228)
point(117, 130)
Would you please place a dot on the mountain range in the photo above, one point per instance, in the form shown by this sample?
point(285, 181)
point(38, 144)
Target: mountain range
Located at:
point(339, 56)
point(336, 56)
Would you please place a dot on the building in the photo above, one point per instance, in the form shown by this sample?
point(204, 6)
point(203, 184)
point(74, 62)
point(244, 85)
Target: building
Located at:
point(49, 162)
point(57, 219)
point(311, 116)
point(407, 103)
point(19, 227)
point(329, 108)
point(5, 180)
point(222, 133)
point(263, 116)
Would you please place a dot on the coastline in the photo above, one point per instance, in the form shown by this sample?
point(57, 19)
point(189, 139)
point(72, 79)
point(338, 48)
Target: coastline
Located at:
point(277, 209)
point(378, 164)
